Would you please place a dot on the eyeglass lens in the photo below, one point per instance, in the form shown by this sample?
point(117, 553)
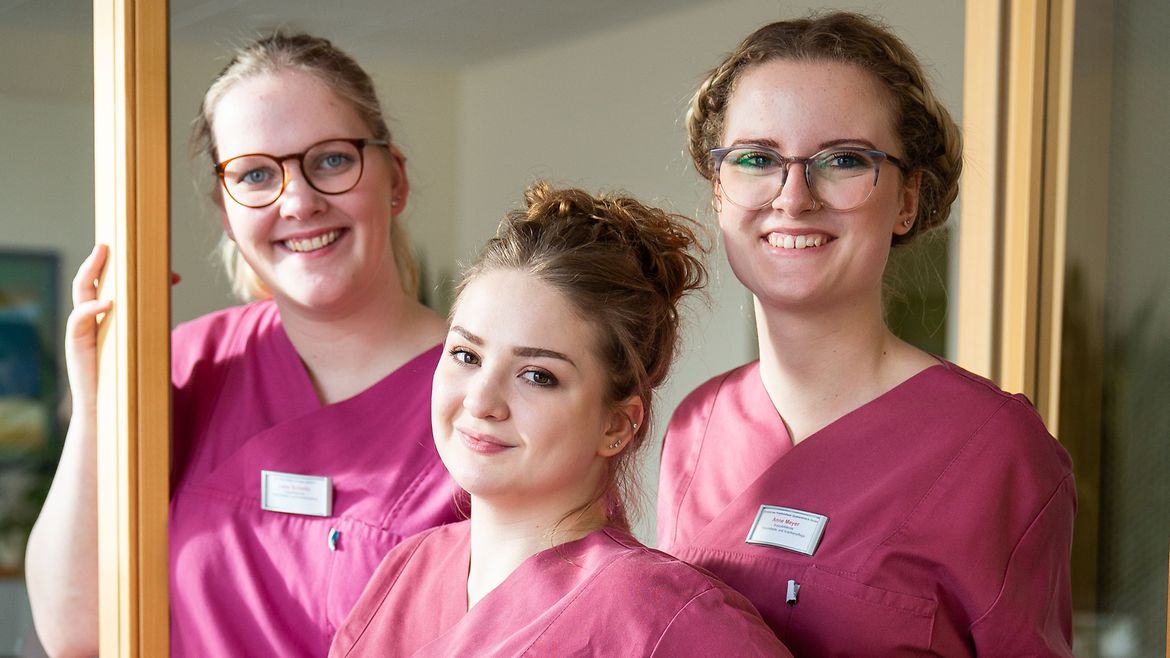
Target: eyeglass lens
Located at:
point(841, 179)
point(258, 180)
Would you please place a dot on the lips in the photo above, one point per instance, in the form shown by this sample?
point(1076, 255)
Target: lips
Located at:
point(485, 444)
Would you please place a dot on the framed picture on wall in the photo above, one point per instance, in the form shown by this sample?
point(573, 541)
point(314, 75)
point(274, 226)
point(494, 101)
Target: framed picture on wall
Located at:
point(28, 352)
point(30, 438)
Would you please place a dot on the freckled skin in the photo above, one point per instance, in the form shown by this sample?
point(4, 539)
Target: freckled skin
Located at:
point(799, 107)
point(286, 113)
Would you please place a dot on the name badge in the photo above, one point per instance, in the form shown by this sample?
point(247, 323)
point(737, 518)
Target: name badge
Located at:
point(296, 494)
point(787, 528)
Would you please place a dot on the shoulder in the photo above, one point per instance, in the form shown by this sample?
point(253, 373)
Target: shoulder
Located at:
point(690, 611)
point(671, 581)
point(698, 403)
point(219, 332)
point(1008, 422)
point(417, 547)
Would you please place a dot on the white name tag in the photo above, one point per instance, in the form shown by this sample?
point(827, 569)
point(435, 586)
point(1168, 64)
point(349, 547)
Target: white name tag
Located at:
point(296, 494)
point(787, 528)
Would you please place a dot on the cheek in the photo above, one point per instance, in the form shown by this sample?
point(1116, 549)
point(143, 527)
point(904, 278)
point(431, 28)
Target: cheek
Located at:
point(446, 398)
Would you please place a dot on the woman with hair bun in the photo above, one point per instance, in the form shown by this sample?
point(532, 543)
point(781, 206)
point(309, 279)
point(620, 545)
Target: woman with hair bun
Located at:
point(892, 503)
point(301, 449)
point(560, 332)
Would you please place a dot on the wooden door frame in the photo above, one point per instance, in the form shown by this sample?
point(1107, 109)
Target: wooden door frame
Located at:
point(1013, 212)
point(132, 210)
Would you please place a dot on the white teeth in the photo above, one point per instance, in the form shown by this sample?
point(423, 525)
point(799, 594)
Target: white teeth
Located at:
point(798, 241)
point(314, 243)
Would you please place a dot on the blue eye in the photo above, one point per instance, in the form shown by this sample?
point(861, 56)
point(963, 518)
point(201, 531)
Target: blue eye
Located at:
point(845, 160)
point(539, 377)
point(463, 357)
point(332, 163)
point(255, 177)
point(753, 160)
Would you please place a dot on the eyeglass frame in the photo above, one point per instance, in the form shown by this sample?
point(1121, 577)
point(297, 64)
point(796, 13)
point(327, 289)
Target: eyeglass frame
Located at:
point(720, 153)
point(360, 143)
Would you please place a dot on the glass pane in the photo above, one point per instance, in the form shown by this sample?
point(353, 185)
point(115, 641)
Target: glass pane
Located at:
point(1123, 485)
point(46, 101)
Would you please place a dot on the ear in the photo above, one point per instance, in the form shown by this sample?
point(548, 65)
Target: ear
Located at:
point(227, 227)
point(908, 203)
point(620, 430)
point(400, 189)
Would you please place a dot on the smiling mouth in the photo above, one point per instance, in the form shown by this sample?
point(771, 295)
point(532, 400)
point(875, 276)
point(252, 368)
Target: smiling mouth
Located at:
point(483, 444)
point(781, 241)
point(314, 243)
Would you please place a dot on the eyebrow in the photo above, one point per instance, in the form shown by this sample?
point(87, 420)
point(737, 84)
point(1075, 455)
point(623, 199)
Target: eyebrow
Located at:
point(773, 144)
point(518, 351)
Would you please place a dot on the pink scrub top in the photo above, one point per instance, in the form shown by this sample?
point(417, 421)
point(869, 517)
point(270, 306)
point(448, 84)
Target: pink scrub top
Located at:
point(250, 582)
point(950, 513)
point(602, 595)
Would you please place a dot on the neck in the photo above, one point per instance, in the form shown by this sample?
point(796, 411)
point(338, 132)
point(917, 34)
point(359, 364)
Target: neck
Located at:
point(348, 349)
point(502, 539)
point(818, 365)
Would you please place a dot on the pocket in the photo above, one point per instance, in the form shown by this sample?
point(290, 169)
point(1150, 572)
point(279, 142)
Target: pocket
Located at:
point(836, 615)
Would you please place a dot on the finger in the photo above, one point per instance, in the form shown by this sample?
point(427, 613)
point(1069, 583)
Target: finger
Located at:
point(85, 313)
point(85, 283)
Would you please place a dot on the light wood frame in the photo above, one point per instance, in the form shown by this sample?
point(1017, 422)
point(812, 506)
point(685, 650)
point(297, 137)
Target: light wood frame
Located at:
point(1013, 212)
point(131, 136)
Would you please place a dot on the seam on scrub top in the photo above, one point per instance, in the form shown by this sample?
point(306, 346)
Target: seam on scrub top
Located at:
point(934, 485)
point(584, 587)
point(426, 534)
point(230, 360)
point(888, 606)
point(678, 612)
point(694, 463)
point(1007, 566)
point(406, 495)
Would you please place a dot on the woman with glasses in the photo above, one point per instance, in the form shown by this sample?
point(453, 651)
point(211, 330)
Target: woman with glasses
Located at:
point(869, 498)
point(302, 449)
point(562, 329)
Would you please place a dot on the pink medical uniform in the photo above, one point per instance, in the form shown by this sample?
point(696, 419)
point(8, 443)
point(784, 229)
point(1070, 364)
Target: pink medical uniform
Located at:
point(950, 511)
point(250, 582)
point(602, 595)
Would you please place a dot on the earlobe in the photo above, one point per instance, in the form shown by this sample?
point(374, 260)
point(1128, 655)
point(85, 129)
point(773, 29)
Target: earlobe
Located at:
point(400, 188)
point(227, 227)
point(624, 421)
point(908, 208)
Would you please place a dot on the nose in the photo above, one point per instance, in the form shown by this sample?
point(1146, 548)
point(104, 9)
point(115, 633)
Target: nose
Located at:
point(796, 197)
point(299, 201)
point(484, 398)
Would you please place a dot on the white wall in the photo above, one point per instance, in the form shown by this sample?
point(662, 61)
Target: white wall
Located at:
point(605, 112)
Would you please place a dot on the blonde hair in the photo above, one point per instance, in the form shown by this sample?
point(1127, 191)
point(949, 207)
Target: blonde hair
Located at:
point(273, 53)
point(929, 137)
point(624, 266)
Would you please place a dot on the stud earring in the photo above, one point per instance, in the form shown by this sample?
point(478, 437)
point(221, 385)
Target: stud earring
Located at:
point(615, 445)
point(908, 223)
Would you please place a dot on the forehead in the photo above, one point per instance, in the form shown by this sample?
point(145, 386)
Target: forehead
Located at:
point(281, 112)
point(509, 308)
point(800, 103)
